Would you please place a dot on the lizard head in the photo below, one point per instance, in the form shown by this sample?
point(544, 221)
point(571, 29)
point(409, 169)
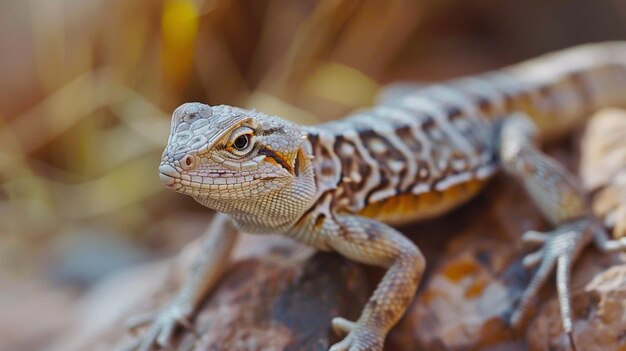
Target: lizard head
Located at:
point(217, 153)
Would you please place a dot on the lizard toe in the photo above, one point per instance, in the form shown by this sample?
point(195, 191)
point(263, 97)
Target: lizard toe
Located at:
point(161, 326)
point(560, 249)
point(342, 325)
point(533, 259)
point(534, 237)
point(135, 322)
point(360, 339)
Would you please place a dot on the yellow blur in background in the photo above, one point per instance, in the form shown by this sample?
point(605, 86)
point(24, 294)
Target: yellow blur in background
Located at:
point(87, 88)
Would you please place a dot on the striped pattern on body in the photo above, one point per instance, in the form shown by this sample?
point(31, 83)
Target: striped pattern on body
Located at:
point(431, 149)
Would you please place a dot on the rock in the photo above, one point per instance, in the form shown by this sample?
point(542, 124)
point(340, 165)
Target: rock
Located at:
point(284, 299)
point(600, 317)
point(281, 303)
point(603, 155)
point(603, 167)
point(472, 289)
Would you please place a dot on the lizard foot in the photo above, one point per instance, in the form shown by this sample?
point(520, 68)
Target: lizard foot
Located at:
point(359, 338)
point(559, 248)
point(162, 325)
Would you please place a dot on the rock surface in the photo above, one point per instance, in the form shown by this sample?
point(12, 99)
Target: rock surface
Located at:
point(282, 300)
point(473, 287)
point(600, 317)
point(280, 303)
point(603, 166)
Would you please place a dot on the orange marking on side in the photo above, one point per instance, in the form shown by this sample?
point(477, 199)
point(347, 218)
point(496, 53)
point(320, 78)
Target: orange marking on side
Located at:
point(279, 158)
point(406, 208)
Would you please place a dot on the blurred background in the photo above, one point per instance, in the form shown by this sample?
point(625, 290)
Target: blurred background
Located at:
point(87, 88)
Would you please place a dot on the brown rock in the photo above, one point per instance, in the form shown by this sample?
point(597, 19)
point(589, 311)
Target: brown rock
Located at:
point(472, 289)
point(600, 317)
point(282, 300)
point(603, 167)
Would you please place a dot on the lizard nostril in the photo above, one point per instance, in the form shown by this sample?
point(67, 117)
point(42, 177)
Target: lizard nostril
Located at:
point(187, 161)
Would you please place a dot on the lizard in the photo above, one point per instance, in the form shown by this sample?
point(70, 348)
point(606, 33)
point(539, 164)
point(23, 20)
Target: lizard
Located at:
point(341, 185)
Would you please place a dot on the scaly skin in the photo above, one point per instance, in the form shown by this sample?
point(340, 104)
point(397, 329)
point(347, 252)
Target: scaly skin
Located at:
point(334, 186)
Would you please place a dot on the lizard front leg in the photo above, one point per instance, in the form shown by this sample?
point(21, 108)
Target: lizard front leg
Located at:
point(562, 202)
point(371, 242)
point(206, 267)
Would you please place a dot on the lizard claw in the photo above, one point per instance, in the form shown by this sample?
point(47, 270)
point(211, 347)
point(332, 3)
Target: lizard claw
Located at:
point(533, 259)
point(560, 248)
point(135, 322)
point(534, 237)
point(359, 338)
point(342, 325)
point(162, 325)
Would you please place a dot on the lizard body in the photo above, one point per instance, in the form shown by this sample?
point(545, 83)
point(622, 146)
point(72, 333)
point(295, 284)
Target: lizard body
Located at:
point(335, 185)
point(430, 150)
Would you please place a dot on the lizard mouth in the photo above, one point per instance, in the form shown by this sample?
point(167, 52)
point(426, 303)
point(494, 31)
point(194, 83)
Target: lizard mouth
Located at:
point(168, 175)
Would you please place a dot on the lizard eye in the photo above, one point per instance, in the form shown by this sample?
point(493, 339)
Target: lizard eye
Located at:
point(242, 141)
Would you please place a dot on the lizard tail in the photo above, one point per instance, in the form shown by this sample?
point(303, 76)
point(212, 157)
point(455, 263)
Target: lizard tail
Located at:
point(561, 89)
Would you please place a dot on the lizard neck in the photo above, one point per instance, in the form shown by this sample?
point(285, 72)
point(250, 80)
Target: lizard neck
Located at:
point(275, 211)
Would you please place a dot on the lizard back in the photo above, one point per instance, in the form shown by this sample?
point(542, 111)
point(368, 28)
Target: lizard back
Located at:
point(432, 149)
